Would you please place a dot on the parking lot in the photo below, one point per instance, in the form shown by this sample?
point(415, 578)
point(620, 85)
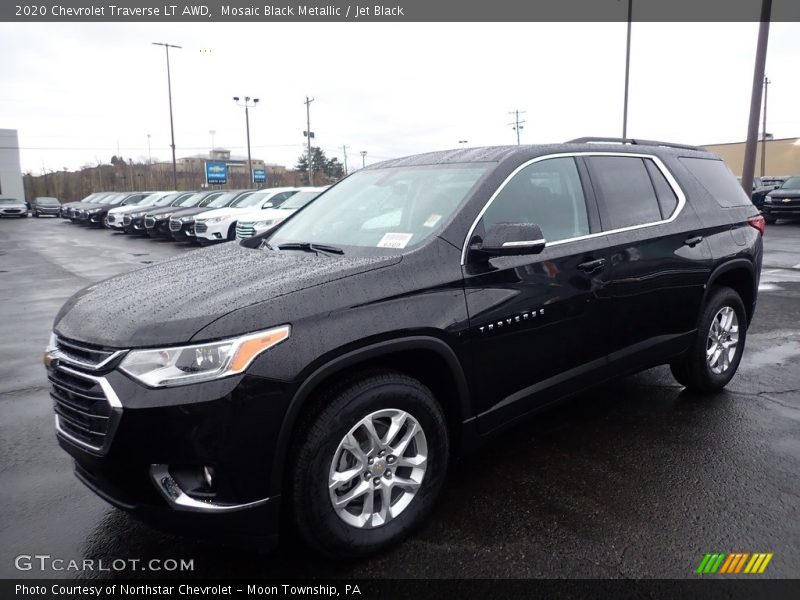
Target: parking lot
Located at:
point(633, 479)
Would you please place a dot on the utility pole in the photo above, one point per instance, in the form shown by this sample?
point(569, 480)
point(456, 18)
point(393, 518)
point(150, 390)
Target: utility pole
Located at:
point(212, 133)
point(171, 123)
point(149, 164)
point(363, 158)
point(309, 135)
point(627, 73)
point(247, 107)
point(344, 151)
point(764, 131)
point(749, 166)
point(516, 125)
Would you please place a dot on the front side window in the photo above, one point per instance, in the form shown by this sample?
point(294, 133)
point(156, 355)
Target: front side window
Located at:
point(391, 208)
point(625, 191)
point(547, 193)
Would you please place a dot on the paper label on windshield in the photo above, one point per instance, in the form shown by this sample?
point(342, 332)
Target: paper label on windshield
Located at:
point(432, 220)
point(395, 240)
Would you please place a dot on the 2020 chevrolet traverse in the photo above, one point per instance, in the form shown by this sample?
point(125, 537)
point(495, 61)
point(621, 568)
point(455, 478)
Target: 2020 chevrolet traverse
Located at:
point(323, 374)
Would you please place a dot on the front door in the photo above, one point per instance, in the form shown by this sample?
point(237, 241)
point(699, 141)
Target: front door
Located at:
point(538, 322)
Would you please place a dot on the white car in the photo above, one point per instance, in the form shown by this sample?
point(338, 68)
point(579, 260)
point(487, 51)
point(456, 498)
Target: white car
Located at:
point(11, 207)
point(255, 220)
point(220, 224)
point(115, 215)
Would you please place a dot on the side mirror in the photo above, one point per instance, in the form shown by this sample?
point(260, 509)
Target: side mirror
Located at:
point(511, 239)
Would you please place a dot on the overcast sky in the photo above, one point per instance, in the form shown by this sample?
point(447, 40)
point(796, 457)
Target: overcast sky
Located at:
point(77, 91)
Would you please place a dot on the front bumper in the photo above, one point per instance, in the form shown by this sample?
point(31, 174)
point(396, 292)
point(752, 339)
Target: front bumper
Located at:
point(212, 232)
point(229, 426)
point(12, 212)
point(158, 228)
point(782, 209)
point(182, 231)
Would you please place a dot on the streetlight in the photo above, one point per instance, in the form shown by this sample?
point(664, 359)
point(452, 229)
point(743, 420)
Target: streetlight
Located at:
point(247, 107)
point(171, 124)
point(363, 158)
point(149, 163)
point(212, 133)
point(463, 141)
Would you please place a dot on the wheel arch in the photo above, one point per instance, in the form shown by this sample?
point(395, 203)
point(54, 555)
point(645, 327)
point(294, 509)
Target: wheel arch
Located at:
point(738, 274)
point(427, 358)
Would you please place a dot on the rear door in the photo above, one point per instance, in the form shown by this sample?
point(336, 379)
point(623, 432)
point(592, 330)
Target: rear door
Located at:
point(537, 322)
point(659, 258)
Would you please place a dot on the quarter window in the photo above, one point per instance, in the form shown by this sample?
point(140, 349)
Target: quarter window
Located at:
point(626, 193)
point(667, 200)
point(547, 193)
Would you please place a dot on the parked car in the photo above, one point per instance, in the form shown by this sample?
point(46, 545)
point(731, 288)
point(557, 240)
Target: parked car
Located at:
point(46, 205)
point(69, 210)
point(181, 223)
point(96, 216)
point(759, 192)
point(326, 373)
point(133, 221)
point(774, 182)
point(115, 216)
point(784, 202)
point(156, 221)
point(11, 207)
point(220, 225)
point(257, 220)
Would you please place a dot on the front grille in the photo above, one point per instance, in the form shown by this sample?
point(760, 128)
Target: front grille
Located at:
point(149, 222)
point(175, 225)
point(126, 220)
point(12, 211)
point(83, 412)
point(83, 356)
point(245, 230)
point(200, 227)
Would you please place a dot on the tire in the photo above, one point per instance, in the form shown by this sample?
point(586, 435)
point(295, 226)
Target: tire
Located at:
point(35, 215)
point(694, 370)
point(232, 232)
point(374, 396)
point(770, 220)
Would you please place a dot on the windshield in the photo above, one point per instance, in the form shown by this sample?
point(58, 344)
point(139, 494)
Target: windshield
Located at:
point(150, 199)
point(209, 200)
point(250, 199)
point(47, 201)
point(192, 200)
point(383, 208)
point(9, 201)
point(222, 200)
point(168, 199)
point(793, 183)
point(109, 199)
point(135, 200)
point(299, 200)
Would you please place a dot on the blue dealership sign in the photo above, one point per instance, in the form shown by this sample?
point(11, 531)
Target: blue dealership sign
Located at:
point(259, 176)
point(216, 173)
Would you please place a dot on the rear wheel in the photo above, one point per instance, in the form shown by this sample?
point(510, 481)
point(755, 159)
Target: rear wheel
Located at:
point(369, 466)
point(714, 356)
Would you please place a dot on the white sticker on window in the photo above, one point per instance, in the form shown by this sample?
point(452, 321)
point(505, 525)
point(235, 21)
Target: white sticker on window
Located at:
point(432, 220)
point(395, 240)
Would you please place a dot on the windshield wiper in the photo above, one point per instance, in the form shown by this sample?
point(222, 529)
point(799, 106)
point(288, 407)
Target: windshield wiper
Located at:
point(311, 247)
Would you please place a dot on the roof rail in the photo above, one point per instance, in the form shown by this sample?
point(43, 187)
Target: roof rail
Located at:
point(635, 142)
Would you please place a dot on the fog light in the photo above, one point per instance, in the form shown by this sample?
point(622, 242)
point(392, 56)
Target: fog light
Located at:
point(218, 236)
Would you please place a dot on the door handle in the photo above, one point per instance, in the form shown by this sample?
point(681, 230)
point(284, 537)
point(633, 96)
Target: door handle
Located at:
point(593, 265)
point(693, 241)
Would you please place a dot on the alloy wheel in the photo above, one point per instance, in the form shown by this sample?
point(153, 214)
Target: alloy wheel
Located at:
point(723, 340)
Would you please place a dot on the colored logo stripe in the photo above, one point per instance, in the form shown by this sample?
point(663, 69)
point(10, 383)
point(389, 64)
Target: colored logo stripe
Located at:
point(734, 563)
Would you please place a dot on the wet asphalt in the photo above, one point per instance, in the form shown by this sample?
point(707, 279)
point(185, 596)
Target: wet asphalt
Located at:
point(634, 479)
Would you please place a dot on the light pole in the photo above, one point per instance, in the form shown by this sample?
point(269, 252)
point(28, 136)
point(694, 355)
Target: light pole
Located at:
point(149, 163)
point(247, 107)
point(627, 73)
point(309, 135)
point(764, 131)
point(363, 158)
point(212, 133)
point(171, 123)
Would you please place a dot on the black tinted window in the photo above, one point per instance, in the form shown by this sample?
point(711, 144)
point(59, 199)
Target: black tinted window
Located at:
point(667, 199)
point(716, 177)
point(547, 193)
point(625, 191)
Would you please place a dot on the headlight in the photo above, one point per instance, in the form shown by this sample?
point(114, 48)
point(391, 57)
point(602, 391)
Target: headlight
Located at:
point(187, 219)
point(768, 199)
point(164, 216)
point(164, 367)
point(215, 220)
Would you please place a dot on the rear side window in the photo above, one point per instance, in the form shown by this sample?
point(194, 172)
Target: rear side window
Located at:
point(625, 191)
point(715, 176)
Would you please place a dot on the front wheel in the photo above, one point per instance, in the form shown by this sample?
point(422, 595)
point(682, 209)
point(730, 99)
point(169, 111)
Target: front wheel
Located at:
point(714, 356)
point(369, 466)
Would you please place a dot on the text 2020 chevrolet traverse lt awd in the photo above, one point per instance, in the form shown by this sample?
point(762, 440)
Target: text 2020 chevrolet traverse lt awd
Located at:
point(323, 374)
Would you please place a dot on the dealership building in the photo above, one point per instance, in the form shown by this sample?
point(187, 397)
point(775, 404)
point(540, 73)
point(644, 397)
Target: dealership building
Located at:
point(10, 170)
point(782, 156)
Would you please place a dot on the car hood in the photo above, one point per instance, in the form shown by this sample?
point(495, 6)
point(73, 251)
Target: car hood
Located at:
point(189, 212)
point(262, 214)
point(14, 205)
point(227, 211)
point(785, 194)
point(126, 209)
point(169, 302)
point(160, 211)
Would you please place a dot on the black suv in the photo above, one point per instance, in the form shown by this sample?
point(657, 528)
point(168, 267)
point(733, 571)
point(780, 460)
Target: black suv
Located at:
point(324, 373)
point(783, 202)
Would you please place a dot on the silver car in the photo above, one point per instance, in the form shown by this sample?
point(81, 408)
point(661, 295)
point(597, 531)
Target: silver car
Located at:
point(11, 207)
